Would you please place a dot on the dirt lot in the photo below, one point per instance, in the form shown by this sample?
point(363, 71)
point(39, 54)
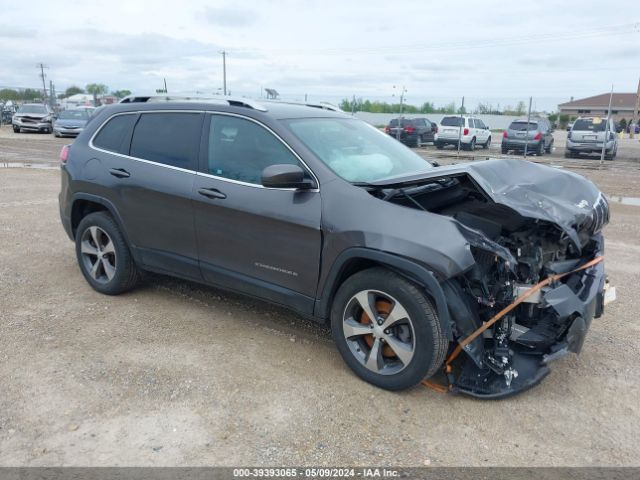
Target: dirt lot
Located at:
point(180, 374)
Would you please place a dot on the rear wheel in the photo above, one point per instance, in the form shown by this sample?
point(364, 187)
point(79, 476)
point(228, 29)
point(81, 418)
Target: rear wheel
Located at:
point(549, 147)
point(418, 141)
point(487, 144)
point(386, 329)
point(504, 150)
point(439, 145)
point(103, 255)
point(472, 144)
point(540, 149)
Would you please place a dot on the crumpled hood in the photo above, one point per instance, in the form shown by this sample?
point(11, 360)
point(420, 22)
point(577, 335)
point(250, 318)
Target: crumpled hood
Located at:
point(533, 190)
point(35, 116)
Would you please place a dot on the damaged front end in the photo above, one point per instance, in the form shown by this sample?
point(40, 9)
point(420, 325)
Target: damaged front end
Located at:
point(530, 229)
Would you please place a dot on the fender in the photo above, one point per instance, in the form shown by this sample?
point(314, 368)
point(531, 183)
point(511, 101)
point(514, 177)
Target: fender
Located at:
point(111, 208)
point(407, 268)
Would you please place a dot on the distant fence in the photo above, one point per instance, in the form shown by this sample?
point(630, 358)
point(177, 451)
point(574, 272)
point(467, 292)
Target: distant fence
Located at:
point(492, 121)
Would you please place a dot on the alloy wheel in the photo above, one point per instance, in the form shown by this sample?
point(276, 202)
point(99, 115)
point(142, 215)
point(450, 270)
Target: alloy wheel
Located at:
point(98, 254)
point(379, 332)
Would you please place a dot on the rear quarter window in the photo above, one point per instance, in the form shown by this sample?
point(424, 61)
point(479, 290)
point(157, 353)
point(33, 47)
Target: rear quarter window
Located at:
point(113, 135)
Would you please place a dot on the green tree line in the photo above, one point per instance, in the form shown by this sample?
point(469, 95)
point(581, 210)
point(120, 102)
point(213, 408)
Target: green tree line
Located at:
point(361, 105)
point(30, 94)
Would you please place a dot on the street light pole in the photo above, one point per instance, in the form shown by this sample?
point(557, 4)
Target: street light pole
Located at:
point(224, 72)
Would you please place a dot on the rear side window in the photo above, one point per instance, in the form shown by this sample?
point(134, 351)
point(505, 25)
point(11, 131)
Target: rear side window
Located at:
point(113, 135)
point(167, 138)
point(452, 122)
point(522, 126)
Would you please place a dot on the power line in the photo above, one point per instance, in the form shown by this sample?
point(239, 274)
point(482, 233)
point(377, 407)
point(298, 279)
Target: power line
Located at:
point(610, 30)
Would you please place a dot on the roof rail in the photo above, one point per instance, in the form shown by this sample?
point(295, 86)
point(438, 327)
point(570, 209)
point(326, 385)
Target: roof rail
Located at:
point(218, 99)
point(322, 105)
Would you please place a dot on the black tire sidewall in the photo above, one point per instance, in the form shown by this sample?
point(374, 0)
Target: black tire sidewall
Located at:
point(425, 355)
point(121, 281)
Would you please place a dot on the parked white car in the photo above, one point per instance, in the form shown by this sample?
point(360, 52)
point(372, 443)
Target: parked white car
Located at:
point(471, 131)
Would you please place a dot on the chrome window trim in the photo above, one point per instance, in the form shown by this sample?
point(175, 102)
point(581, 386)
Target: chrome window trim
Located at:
point(279, 138)
point(202, 174)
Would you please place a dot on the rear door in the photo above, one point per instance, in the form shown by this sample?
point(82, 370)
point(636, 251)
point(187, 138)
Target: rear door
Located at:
point(149, 164)
point(260, 241)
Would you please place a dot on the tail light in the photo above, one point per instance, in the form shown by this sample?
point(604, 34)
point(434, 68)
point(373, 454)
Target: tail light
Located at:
point(409, 129)
point(64, 153)
point(387, 129)
point(466, 131)
point(538, 136)
point(505, 134)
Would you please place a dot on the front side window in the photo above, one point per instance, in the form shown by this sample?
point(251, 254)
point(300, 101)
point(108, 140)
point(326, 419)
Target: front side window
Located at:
point(168, 138)
point(355, 150)
point(113, 135)
point(240, 149)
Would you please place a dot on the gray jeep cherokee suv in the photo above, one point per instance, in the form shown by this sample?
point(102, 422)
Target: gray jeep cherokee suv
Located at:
point(322, 213)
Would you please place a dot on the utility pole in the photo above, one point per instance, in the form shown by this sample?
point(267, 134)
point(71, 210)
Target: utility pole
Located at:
point(460, 127)
point(224, 72)
point(526, 142)
point(636, 112)
point(165, 85)
point(42, 66)
point(52, 95)
point(399, 128)
point(606, 129)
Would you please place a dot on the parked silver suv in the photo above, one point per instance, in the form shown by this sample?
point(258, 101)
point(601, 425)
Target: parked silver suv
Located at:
point(536, 134)
point(588, 135)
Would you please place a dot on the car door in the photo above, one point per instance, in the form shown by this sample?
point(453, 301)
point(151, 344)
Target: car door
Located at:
point(262, 241)
point(149, 162)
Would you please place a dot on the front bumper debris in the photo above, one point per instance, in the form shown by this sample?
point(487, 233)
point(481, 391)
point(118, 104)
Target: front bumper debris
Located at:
point(570, 304)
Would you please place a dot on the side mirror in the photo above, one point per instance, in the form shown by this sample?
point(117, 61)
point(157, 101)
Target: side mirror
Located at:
point(486, 127)
point(284, 176)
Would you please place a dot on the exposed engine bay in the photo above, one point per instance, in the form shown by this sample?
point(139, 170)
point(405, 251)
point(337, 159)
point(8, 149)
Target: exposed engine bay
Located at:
point(513, 251)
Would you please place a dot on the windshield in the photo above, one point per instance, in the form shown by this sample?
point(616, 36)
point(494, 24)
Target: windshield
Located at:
point(590, 124)
point(73, 114)
point(355, 150)
point(522, 126)
point(452, 122)
point(32, 109)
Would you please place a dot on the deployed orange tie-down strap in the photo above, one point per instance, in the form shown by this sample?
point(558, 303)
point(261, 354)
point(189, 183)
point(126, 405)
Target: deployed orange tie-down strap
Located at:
point(466, 341)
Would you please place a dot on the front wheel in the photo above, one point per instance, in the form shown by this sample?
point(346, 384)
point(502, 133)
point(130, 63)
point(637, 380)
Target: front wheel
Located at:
point(103, 255)
point(386, 329)
point(16, 129)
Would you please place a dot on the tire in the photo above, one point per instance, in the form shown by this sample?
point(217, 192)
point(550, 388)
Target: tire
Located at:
point(117, 271)
point(439, 146)
point(418, 141)
point(472, 145)
point(16, 129)
point(540, 149)
point(549, 147)
point(504, 150)
point(418, 332)
point(487, 143)
point(56, 134)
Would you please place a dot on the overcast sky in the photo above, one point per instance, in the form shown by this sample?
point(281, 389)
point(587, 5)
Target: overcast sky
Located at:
point(496, 52)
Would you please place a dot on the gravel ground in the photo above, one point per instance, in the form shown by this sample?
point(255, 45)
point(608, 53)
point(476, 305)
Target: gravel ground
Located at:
point(175, 373)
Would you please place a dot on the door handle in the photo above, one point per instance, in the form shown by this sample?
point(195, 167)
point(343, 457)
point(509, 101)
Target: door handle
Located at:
point(119, 172)
point(211, 193)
